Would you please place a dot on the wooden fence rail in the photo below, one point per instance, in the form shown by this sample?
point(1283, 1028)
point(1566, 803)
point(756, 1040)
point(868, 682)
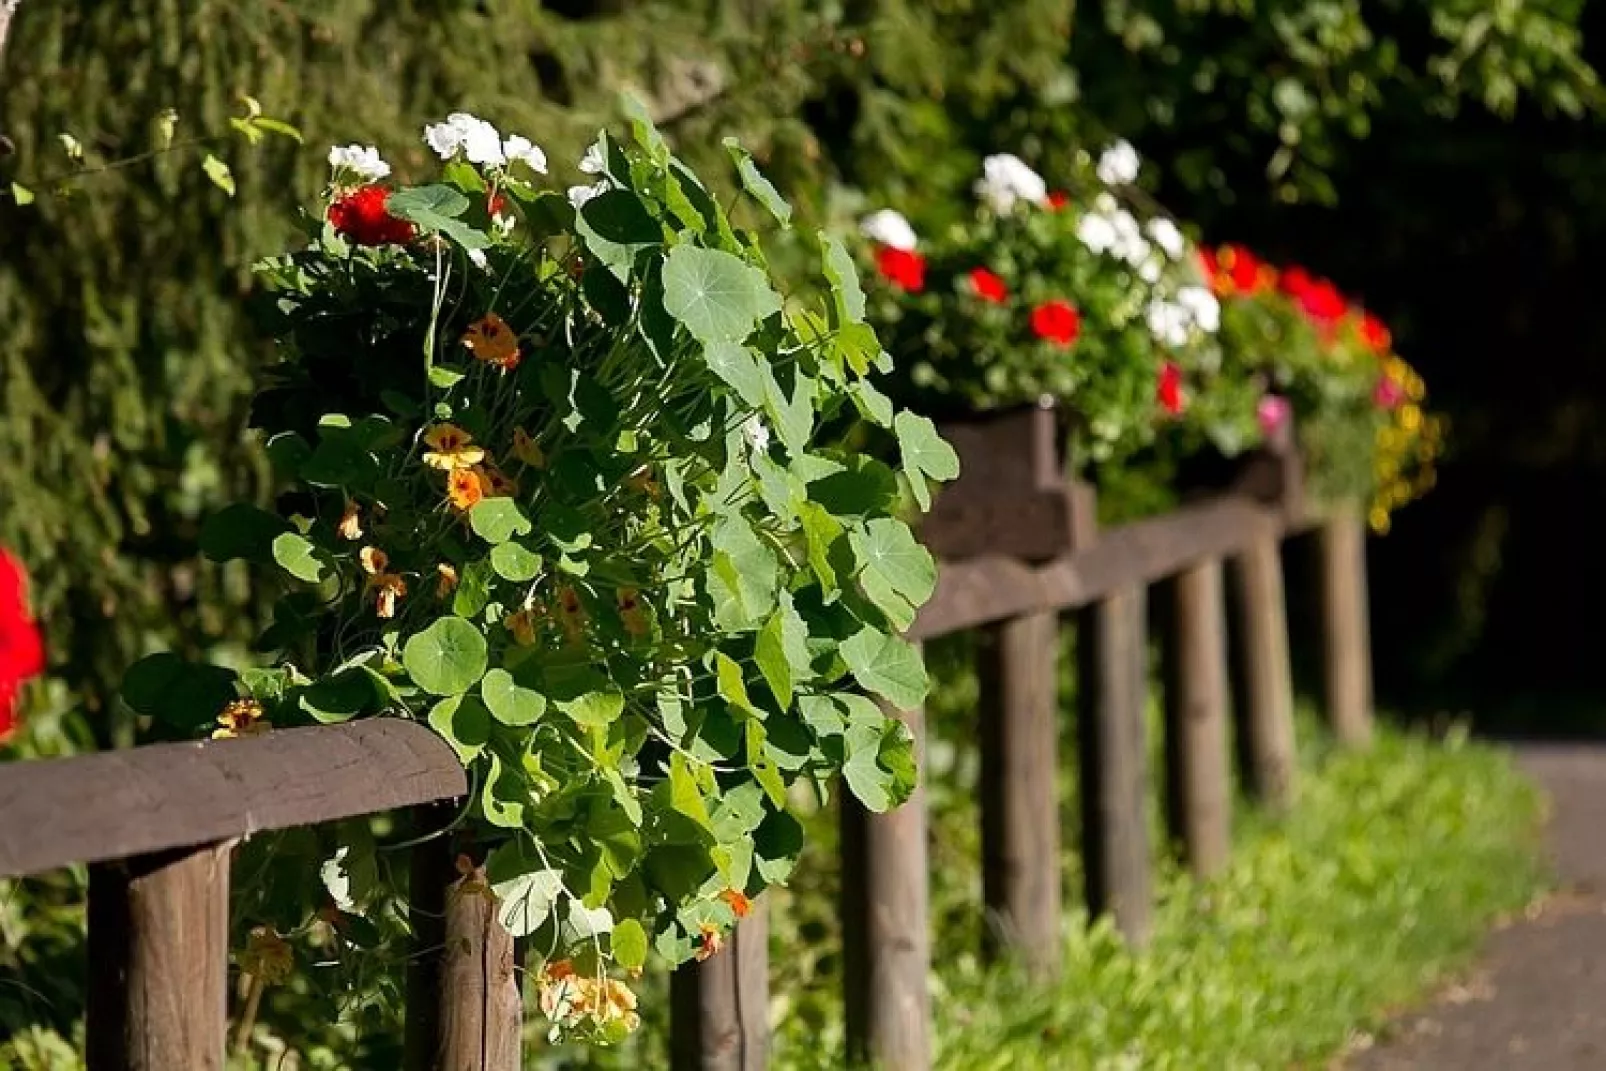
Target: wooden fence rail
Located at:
point(1017, 548)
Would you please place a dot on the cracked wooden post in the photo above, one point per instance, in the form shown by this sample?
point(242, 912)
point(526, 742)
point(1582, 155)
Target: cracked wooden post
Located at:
point(1346, 638)
point(159, 950)
point(1266, 694)
point(886, 937)
point(1198, 762)
point(719, 1008)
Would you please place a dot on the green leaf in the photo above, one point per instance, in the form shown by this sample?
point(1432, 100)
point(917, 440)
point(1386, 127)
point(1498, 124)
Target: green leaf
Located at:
point(740, 368)
point(759, 187)
point(896, 572)
point(509, 702)
point(770, 653)
point(872, 404)
point(847, 296)
point(594, 709)
point(777, 843)
point(865, 486)
point(241, 530)
point(685, 797)
point(218, 172)
point(496, 520)
point(629, 945)
point(716, 296)
point(463, 722)
point(445, 376)
point(447, 658)
point(880, 767)
point(298, 556)
point(925, 454)
point(185, 695)
point(515, 562)
point(615, 226)
point(436, 208)
point(506, 795)
point(341, 697)
point(21, 194)
point(730, 685)
point(525, 898)
point(763, 768)
point(473, 588)
point(794, 416)
point(888, 666)
point(742, 578)
point(820, 531)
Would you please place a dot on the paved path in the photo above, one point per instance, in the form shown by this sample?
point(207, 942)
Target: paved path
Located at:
point(1538, 997)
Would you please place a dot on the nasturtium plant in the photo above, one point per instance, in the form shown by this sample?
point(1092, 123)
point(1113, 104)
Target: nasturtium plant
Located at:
point(562, 486)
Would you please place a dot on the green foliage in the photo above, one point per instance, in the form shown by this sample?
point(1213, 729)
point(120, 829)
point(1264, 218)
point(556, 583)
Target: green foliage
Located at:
point(635, 529)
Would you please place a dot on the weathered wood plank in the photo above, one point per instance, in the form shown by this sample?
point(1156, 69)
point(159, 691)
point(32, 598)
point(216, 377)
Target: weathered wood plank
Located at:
point(1267, 690)
point(158, 953)
point(1198, 761)
point(719, 1009)
point(992, 587)
point(125, 803)
point(1020, 814)
point(1111, 684)
point(886, 954)
point(1346, 634)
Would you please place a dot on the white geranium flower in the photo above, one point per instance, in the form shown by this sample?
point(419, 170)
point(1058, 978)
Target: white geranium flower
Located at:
point(477, 256)
point(520, 149)
point(1168, 237)
point(1006, 179)
point(1168, 322)
point(1149, 271)
point(579, 195)
point(465, 133)
point(362, 161)
point(1202, 307)
point(757, 433)
point(1130, 246)
point(592, 163)
point(1119, 165)
point(890, 229)
point(1105, 203)
point(1096, 232)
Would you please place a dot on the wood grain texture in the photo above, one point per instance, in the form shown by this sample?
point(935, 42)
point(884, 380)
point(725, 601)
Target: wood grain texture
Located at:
point(159, 952)
point(1346, 633)
point(481, 1005)
point(125, 803)
point(1198, 760)
point(886, 935)
point(1266, 690)
point(1020, 814)
point(1112, 681)
point(719, 1017)
point(993, 587)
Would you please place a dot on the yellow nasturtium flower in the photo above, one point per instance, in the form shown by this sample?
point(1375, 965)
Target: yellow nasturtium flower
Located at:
point(451, 448)
point(242, 717)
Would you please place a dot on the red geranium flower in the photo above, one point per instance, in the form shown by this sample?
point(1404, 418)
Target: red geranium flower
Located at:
point(903, 268)
point(1058, 200)
point(1323, 303)
point(988, 286)
point(361, 216)
point(1057, 322)
point(1168, 392)
point(1295, 281)
point(495, 204)
point(22, 651)
point(1375, 334)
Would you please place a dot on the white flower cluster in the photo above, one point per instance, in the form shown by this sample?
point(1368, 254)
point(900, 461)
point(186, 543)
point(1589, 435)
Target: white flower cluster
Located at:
point(1006, 181)
point(1111, 230)
point(591, 164)
point(482, 144)
point(890, 229)
point(1119, 165)
point(1172, 322)
point(359, 161)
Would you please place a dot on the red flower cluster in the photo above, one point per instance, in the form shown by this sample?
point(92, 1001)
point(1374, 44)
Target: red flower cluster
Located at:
point(1057, 322)
point(22, 650)
point(1168, 391)
point(362, 217)
point(1235, 270)
point(1376, 335)
point(988, 286)
point(1319, 299)
point(903, 268)
point(1058, 200)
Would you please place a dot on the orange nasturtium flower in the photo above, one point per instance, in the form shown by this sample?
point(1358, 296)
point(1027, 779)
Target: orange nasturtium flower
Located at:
point(465, 488)
point(242, 717)
point(526, 449)
point(388, 587)
point(446, 580)
point(571, 613)
point(491, 340)
point(350, 526)
point(709, 941)
point(451, 448)
point(497, 483)
point(267, 956)
point(374, 561)
point(643, 482)
point(737, 901)
point(632, 613)
point(522, 625)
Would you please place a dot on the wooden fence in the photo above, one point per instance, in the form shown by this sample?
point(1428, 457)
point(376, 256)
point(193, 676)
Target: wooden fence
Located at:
point(1017, 547)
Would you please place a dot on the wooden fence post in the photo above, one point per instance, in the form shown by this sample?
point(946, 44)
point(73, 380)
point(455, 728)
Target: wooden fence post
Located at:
point(1198, 774)
point(1346, 638)
point(719, 1009)
point(464, 1005)
point(886, 954)
point(1020, 827)
point(159, 953)
point(1111, 685)
point(1267, 692)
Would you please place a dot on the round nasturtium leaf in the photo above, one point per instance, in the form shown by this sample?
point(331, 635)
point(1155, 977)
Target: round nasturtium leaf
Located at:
point(510, 703)
point(447, 658)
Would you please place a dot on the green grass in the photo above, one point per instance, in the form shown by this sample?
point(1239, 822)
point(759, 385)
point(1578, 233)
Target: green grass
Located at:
point(1384, 878)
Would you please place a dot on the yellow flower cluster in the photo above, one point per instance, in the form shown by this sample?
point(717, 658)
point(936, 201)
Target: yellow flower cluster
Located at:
point(1407, 446)
point(570, 999)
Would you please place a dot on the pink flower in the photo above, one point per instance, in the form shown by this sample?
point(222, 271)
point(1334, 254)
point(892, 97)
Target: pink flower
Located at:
point(1272, 413)
point(1387, 394)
